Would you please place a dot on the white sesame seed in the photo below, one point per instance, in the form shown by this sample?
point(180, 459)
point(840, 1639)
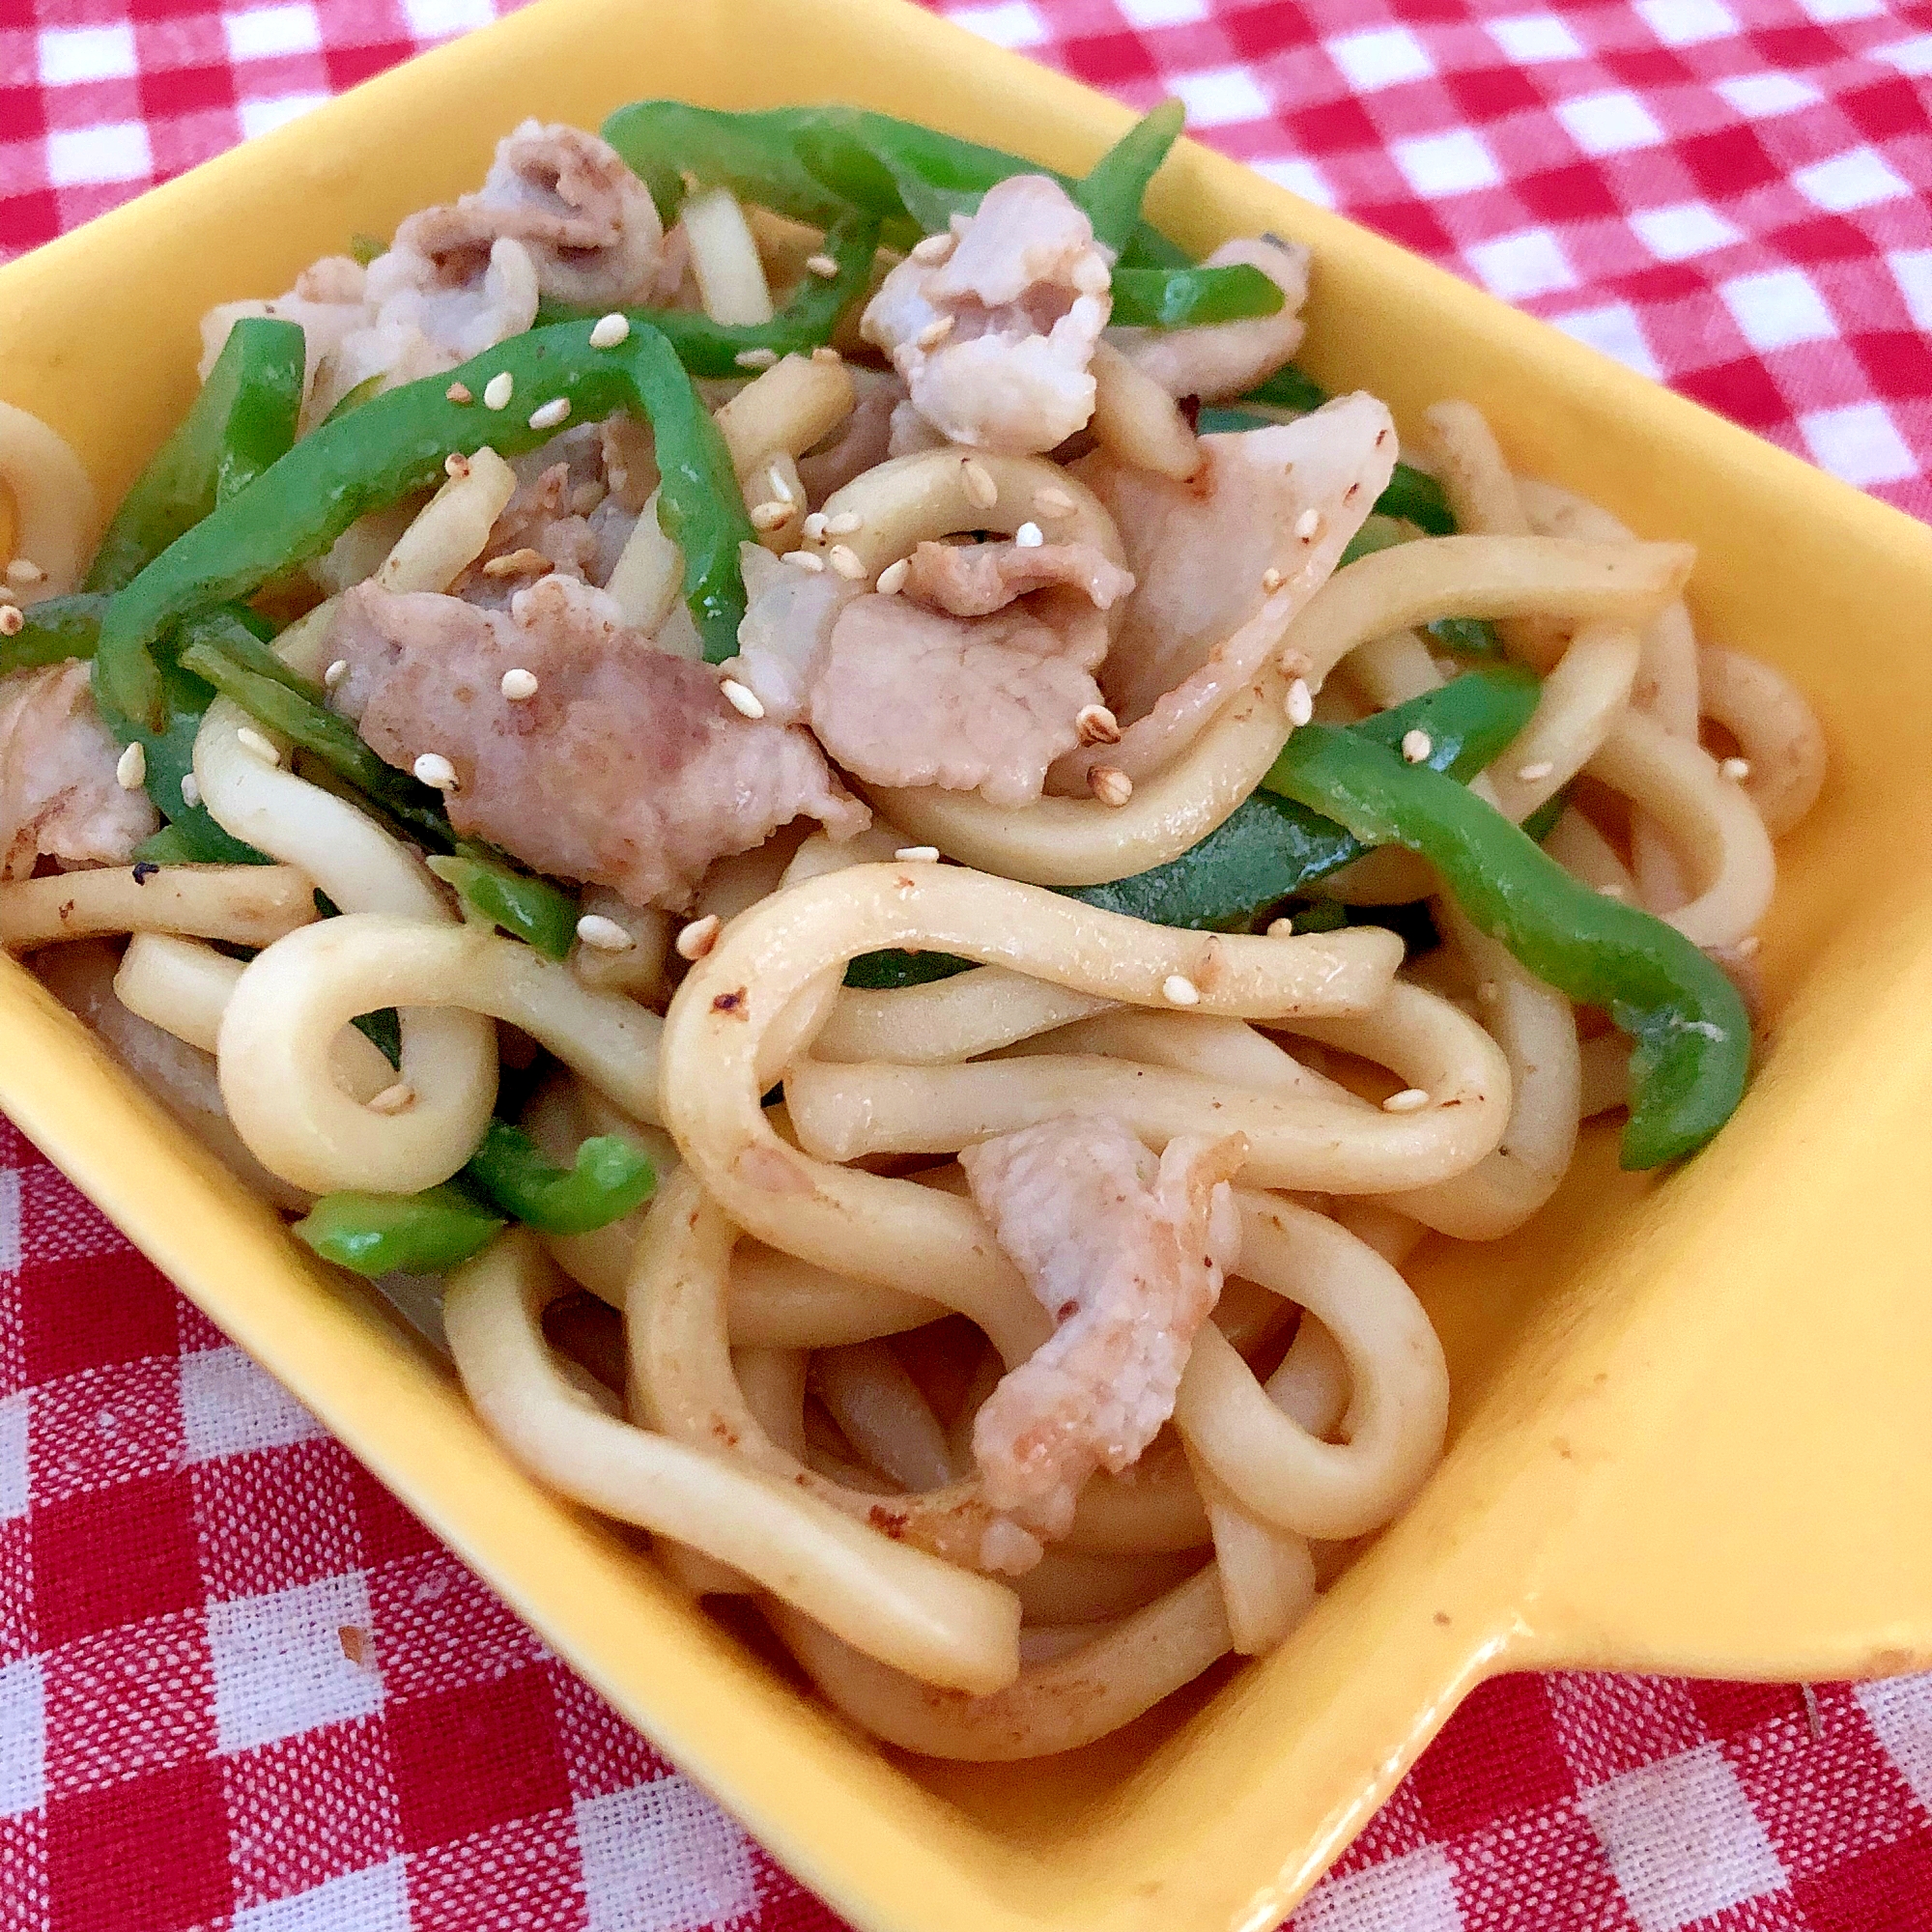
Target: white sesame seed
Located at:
point(813, 527)
point(1110, 784)
point(336, 674)
point(1300, 703)
point(1612, 891)
point(519, 684)
point(552, 413)
point(935, 332)
point(499, 389)
point(1281, 928)
point(1030, 536)
point(459, 393)
point(610, 330)
point(1535, 774)
point(917, 855)
point(804, 559)
point(1748, 946)
point(131, 769)
point(821, 265)
point(256, 746)
point(769, 516)
point(12, 620)
point(1737, 770)
point(435, 771)
point(696, 939)
point(780, 485)
point(844, 560)
point(1416, 745)
point(456, 466)
point(1053, 502)
point(1178, 990)
point(825, 353)
point(23, 572)
point(190, 790)
point(394, 1100)
point(1271, 580)
point(981, 491)
point(741, 698)
point(1411, 1100)
point(847, 523)
point(603, 935)
point(891, 578)
point(1308, 525)
point(1097, 726)
point(755, 358)
point(933, 248)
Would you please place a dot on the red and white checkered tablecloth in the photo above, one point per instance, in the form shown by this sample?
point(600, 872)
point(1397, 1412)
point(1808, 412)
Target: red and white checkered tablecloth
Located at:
point(240, 1688)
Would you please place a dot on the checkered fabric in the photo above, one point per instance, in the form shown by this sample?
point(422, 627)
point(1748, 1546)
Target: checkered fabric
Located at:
point(239, 1688)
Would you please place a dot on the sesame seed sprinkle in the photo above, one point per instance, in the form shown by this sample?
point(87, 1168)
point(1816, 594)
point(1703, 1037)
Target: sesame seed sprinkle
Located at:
point(844, 560)
point(552, 413)
point(1053, 502)
point(610, 330)
point(131, 769)
point(1416, 745)
point(603, 935)
point(1178, 990)
point(256, 746)
point(814, 527)
point(1748, 946)
point(891, 578)
point(825, 353)
point(1030, 536)
point(741, 698)
point(12, 620)
point(519, 684)
point(804, 559)
point(821, 265)
point(435, 771)
point(780, 485)
point(845, 523)
point(395, 1100)
point(1737, 770)
point(499, 389)
point(1271, 580)
point(935, 332)
point(23, 572)
point(1611, 891)
point(917, 855)
point(933, 248)
point(336, 674)
point(1095, 725)
point(1300, 702)
point(457, 392)
point(755, 358)
point(456, 466)
point(1308, 525)
point(696, 940)
point(1111, 785)
point(977, 481)
point(1281, 928)
point(769, 516)
point(1535, 774)
point(190, 790)
point(1411, 1100)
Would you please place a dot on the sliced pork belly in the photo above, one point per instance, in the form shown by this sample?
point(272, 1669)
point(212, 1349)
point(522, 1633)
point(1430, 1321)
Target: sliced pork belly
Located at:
point(59, 798)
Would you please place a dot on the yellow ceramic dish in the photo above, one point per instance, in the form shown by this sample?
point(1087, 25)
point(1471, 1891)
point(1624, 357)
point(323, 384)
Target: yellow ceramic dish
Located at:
point(1693, 1426)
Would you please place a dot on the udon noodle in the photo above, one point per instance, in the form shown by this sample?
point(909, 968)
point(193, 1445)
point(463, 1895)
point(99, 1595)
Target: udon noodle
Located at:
point(947, 1170)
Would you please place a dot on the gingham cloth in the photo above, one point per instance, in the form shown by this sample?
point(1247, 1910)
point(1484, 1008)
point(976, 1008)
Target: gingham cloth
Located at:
point(239, 1688)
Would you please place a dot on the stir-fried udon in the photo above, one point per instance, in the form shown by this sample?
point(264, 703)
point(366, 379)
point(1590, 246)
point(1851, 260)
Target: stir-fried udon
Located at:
point(801, 733)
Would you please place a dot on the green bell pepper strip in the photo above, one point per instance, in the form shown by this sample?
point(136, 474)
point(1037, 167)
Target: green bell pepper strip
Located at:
point(1466, 637)
point(1113, 188)
point(397, 442)
point(1691, 1033)
point(521, 903)
point(380, 1234)
point(610, 1179)
point(55, 630)
point(708, 348)
point(1418, 500)
point(1289, 388)
point(816, 163)
point(1191, 297)
point(1269, 848)
point(243, 421)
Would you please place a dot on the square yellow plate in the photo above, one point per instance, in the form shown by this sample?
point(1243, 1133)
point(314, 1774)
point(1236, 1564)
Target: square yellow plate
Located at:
point(1692, 1428)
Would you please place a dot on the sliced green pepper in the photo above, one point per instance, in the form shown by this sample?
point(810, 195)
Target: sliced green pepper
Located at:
point(243, 421)
point(1190, 298)
point(415, 1234)
point(708, 348)
point(397, 443)
point(53, 631)
point(816, 163)
point(1289, 388)
point(1691, 1033)
point(1113, 188)
point(520, 902)
point(610, 1179)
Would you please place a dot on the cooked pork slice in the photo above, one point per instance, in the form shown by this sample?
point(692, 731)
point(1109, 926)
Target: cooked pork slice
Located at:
point(589, 223)
point(562, 517)
point(1126, 1253)
point(785, 635)
point(861, 442)
point(59, 798)
point(1223, 564)
point(974, 580)
point(994, 339)
point(1222, 360)
point(626, 769)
